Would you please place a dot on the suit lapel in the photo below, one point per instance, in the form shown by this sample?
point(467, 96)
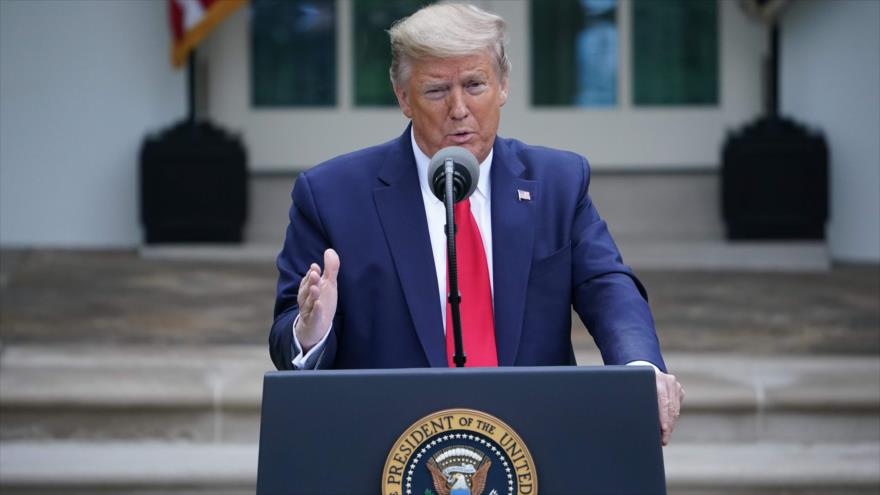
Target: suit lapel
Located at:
point(402, 213)
point(513, 232)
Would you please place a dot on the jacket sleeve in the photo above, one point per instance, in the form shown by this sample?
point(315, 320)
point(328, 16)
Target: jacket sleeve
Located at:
point(304, 243)
point(610, 300)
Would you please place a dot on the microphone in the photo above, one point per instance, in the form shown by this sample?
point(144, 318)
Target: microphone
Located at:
point(453, 175)
point(465, 173)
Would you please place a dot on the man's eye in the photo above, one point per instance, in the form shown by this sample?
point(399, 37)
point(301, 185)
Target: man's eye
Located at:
point(476, 86)
point(434, 93)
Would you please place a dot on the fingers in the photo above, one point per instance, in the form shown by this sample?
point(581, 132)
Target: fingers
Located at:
point(670, 396)
point(311, 299)
point(308, 291)
point(663, 408)
point(675, 397)
point(311, 276)
point(310, 279)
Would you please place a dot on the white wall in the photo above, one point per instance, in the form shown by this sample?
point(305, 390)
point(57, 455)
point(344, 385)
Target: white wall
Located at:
point(625, 136)
point(81, 82)
point(830, 79)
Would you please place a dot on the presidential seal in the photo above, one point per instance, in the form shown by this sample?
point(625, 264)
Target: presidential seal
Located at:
point(459, 452)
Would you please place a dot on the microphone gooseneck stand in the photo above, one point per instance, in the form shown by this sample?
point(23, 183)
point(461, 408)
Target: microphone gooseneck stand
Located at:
point(454, 299)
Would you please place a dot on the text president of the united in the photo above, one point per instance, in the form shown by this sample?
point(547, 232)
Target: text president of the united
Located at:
point(532, 243)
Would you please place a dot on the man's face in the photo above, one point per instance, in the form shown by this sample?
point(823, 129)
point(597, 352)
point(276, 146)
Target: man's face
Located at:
point(454, 102)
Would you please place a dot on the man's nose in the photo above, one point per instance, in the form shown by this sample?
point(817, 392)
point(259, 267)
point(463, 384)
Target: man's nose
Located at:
point(458, 109)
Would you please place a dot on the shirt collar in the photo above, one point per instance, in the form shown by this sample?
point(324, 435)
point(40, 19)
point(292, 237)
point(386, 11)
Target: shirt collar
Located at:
point(423, 161)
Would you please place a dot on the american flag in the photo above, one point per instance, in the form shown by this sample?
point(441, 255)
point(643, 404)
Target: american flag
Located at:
point(192, 20)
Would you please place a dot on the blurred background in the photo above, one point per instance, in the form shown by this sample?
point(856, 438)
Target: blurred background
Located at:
point(148, 149)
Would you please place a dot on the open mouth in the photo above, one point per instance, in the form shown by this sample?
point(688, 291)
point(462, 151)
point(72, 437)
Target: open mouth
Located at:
point(460, 136)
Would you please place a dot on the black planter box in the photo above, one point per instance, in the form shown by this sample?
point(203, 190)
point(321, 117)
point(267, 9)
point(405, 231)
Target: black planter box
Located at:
point(774, 182)
point(193, 185)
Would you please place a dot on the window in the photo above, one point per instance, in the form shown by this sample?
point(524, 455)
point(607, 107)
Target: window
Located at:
point(293, 53)
point(372, 49)
point(675, 52)
point(574, 52)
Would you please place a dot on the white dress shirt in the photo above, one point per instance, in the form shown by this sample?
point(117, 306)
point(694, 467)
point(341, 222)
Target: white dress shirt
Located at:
point(435, 213)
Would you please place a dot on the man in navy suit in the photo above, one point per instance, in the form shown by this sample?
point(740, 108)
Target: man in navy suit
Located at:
point(380, 299)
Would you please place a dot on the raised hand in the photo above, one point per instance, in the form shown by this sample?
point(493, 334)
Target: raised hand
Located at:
point(317, 298)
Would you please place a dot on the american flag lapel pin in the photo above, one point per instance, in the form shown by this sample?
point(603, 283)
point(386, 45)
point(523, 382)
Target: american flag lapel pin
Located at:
point(523, 195)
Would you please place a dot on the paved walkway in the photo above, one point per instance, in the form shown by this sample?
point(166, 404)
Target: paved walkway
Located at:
point(120, 297)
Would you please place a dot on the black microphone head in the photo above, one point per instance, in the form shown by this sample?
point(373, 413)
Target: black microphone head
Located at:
point(465, 173)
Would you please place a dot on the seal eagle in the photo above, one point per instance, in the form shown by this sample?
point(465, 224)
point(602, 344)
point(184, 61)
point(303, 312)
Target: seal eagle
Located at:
point(459, 471)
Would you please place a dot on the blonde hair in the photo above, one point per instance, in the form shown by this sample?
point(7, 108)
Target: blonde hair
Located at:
point(445, 30)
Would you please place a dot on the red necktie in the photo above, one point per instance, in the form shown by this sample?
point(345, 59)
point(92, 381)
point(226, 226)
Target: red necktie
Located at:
point(477, 319)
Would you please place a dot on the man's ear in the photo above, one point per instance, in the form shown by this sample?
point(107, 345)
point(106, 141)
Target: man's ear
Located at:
point(502, 93)
point(401, 95)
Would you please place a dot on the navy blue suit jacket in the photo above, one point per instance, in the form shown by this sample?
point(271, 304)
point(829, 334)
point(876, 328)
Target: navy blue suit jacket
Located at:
point(549, 253)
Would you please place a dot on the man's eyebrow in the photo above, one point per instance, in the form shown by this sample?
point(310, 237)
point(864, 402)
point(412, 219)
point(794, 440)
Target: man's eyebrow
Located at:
point(430, 81)
point(474, 74)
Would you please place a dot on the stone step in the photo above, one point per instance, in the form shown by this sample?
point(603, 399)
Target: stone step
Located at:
point(177, 468)
point(736, 398)
point(205, 394)
point(212, 394)
point(127, 467)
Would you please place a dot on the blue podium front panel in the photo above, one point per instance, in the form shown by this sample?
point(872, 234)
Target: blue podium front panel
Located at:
point(587, 430)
